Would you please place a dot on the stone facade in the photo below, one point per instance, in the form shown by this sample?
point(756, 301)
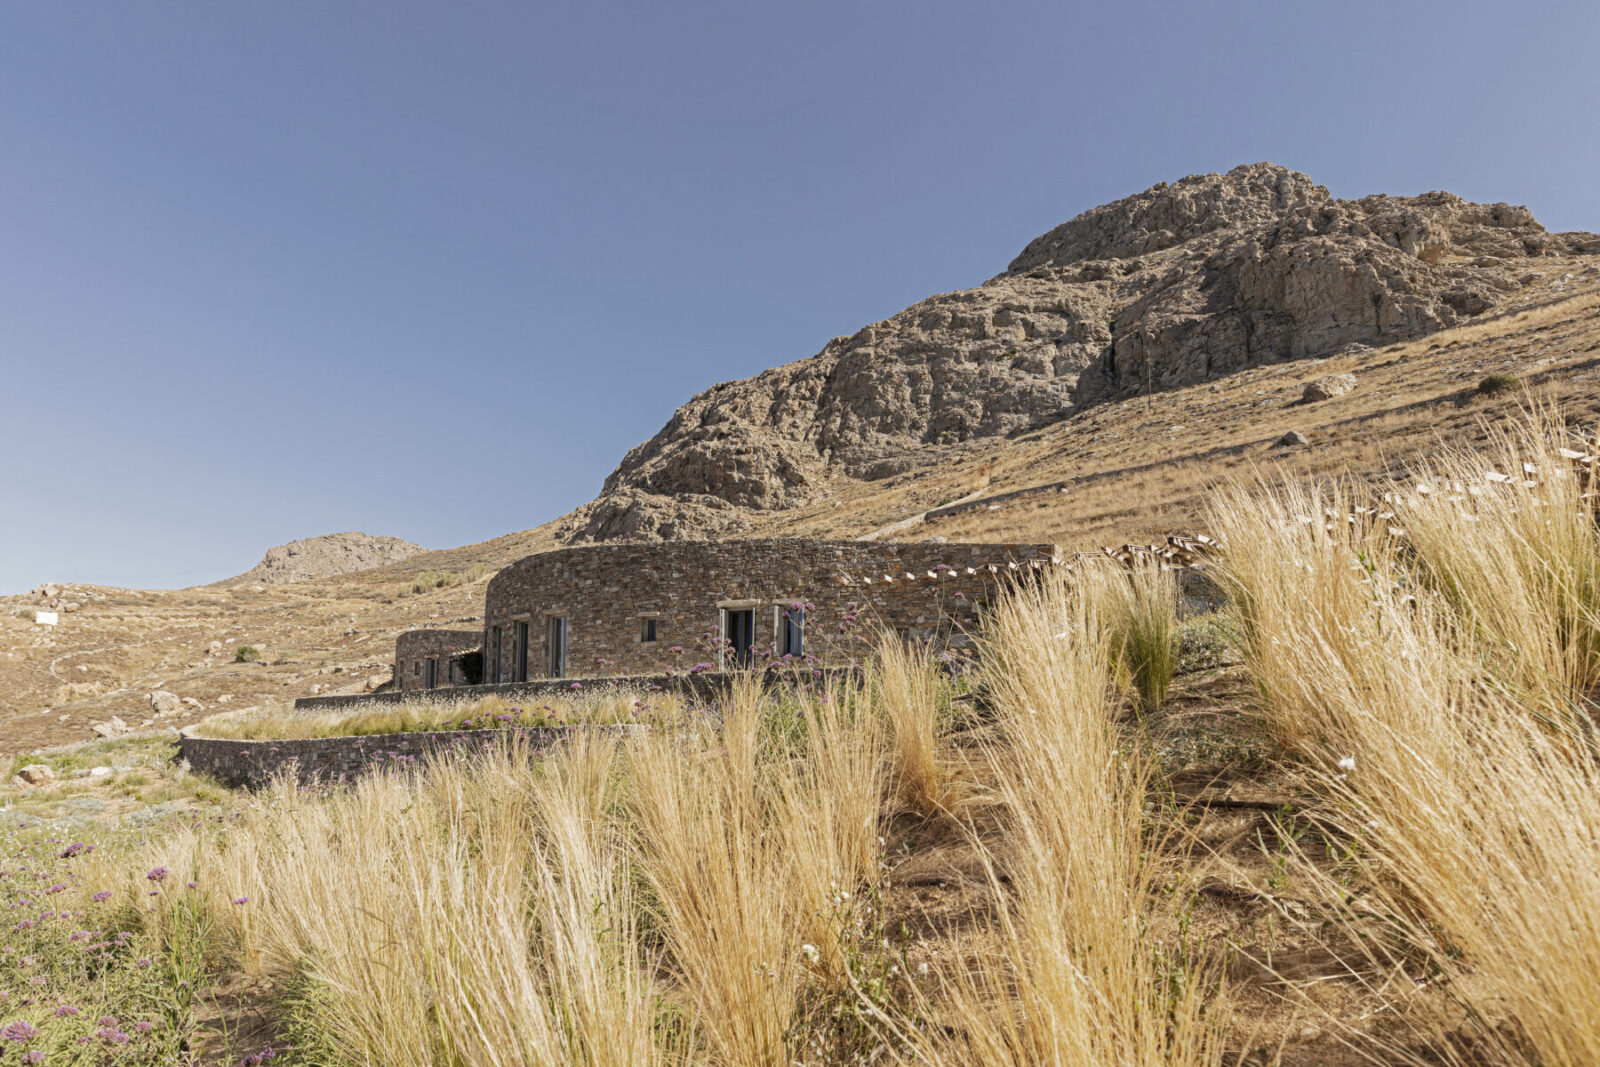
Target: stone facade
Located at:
point(650, 608)
point(427, 659)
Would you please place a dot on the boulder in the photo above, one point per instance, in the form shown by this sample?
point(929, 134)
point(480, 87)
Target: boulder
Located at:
point(112, 727)
point(1327, 387)
point(36, 774)
point(1292, 439)
point(164, 703)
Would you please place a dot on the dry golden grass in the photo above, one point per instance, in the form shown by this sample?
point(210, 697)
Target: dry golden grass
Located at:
point(714, 894)
point(1075, 976)
point(1417, 676)
point(602, 707)
point(925, 781)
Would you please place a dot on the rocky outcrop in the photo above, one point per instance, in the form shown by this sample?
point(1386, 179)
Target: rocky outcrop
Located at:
point(1327, 387)
point(1181, 283)
point(326, 556)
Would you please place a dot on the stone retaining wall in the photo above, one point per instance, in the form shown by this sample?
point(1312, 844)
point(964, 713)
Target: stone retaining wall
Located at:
point(704, 687)
point(253, 764)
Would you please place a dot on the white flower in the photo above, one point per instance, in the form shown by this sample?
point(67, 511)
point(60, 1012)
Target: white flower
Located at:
point(810, 952)
point(922, 968)
point(1348, 763)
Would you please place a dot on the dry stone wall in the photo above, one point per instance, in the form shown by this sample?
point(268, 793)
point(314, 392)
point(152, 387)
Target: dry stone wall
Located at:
point(651, 608)
point(253, 764)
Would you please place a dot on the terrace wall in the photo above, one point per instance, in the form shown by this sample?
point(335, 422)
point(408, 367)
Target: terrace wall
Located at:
point(704, 688)
point(253, 764)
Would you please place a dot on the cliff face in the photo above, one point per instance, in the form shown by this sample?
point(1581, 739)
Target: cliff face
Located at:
point(1180, 283)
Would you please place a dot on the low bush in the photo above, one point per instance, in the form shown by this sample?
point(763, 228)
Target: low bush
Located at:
point(1495, 384)
point(246, 654)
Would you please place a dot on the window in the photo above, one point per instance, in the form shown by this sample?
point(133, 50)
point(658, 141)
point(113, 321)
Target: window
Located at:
point(739, 636)
point(519, 665)
point(430, 673)
point(416, 668)
point(558, 646)
point(647, 630)
point(791, 630)
point(494, 655)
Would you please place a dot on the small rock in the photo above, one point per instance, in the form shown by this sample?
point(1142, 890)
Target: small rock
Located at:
point(164, 703)
point(1292, 439)
point(36, 774)
point(214, 648)
point(191, 702)
point(112, 727)
point(99, 772)
point(1327, 387)
point(224, 698)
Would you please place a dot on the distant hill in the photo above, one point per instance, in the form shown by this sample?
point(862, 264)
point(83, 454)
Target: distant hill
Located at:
point(326, 557)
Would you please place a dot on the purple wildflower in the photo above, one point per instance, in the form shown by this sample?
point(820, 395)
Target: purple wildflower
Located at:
point(157, 875)
point(20, 1032)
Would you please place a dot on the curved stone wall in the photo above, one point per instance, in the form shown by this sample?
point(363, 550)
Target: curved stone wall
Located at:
point(627, 608)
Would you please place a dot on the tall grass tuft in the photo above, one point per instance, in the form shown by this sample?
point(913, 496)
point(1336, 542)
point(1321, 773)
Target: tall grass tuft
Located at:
point(1416, 677)
point(1508, 537)
point(1146, 617)
point(1076, 976)
point(907, 695)
point(479, 915)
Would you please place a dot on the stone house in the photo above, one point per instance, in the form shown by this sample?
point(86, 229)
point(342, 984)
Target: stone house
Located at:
point(632, 609)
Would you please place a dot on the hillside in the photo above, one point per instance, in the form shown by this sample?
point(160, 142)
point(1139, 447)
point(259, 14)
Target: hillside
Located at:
point(1097, 464)
point(1181, 284)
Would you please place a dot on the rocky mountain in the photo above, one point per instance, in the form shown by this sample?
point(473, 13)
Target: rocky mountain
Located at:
point(1181, 283)
point(326, 556)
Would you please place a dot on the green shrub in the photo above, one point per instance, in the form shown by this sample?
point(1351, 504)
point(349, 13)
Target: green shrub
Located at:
point(246, 654)
point(1495, 384)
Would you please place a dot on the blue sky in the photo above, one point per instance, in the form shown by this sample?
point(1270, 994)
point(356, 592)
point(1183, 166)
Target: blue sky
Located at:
point(272, 270)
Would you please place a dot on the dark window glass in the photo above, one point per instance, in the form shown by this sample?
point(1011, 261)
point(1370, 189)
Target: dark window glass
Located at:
point(791, 632)
point(520, 667)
